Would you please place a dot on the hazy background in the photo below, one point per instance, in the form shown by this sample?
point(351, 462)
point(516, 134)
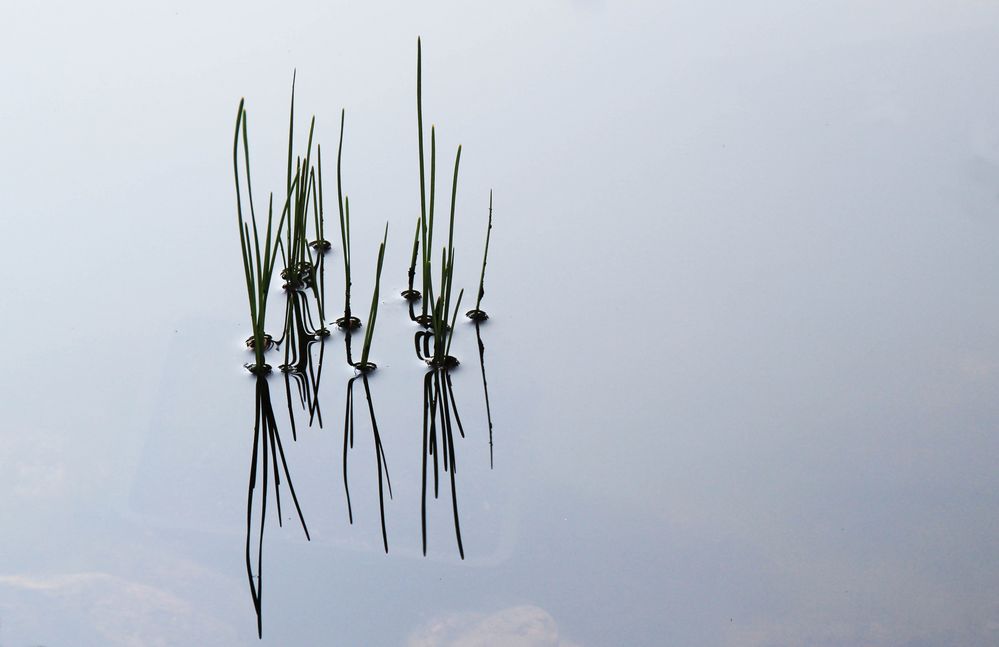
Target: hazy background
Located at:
point(743, 350)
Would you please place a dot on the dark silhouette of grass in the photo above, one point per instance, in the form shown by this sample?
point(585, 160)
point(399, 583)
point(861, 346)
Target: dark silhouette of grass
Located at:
point(485, 390)
point(384, 482)
point(299, 364)
point(268, 456)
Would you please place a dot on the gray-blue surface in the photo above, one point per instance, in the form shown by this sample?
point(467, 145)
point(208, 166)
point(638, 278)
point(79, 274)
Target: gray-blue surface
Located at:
point(743, 354)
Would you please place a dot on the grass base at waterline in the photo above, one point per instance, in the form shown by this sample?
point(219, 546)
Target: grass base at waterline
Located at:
point(262, 369)
point(251, 342)
point(422, 341)
point(410, 295)
point(321, 246)
point(345, 323)
point(298, 277)
point(448, 362)
point(477, 314)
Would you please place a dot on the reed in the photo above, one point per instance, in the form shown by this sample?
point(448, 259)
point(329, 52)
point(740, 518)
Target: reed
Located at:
point(347, 321)
point(320, 244)
point(409, 294)
point(258, 264)
point(364, 364)
point(299, 271)
point(476, 313)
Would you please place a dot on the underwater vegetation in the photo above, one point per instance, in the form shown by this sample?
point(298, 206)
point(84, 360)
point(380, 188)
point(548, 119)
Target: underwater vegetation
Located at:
point(296, 234)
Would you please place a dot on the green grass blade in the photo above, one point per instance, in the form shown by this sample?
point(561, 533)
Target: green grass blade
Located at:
point(373, 312)
point(485, 255)
point(454, 319)
point(454, 197)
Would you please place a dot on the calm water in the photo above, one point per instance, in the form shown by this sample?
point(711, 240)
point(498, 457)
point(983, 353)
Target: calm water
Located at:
point(742, 355)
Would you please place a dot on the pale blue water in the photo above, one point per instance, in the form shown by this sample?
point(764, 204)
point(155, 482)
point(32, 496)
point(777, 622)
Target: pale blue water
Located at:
point(741, 353)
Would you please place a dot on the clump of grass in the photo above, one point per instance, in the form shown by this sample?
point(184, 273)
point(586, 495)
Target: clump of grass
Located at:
point(440, 330)
point(433, 344)
point(258, 264)
point(477, 314)
point(299, 271)
point(258, 267)
point(303, 274)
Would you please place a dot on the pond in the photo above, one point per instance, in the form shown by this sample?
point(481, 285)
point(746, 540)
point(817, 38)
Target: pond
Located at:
point(740, 354)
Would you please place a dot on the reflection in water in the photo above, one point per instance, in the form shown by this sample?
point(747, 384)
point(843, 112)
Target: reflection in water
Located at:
point(267, 450)
point(381, 464)
point(438, 401)
point(365, 367)
point(300, 365)
point(485, 390)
